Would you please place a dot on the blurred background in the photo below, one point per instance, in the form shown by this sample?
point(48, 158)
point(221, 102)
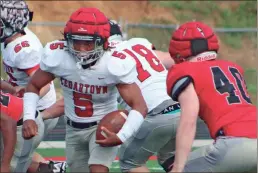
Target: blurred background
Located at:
point(235, 22)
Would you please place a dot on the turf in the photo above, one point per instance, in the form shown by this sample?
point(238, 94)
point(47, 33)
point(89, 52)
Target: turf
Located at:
point(59, 154)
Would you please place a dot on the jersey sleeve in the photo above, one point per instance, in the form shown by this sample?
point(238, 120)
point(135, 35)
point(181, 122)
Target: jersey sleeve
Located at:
point(51, 60)
point(27, 58)
point(177, 80)
point(122, 70)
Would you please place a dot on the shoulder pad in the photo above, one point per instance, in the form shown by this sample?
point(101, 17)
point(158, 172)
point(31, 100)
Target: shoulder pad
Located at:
point(26, 54)
point(120, 66)
point(142, 41)
point(53, 53)
point(174, 82)
point(28, 59)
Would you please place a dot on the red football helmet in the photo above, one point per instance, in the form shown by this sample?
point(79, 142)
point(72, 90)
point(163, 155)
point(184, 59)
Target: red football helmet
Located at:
point(191, 39)
point(86, 33)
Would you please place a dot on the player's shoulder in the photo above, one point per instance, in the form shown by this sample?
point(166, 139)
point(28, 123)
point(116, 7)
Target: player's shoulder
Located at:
point(181, 68)
point(56, 46)
point(118, 62)
point(25, 51)
point(27, 43)
point(227, 63)
point(179, 76)
point(54, 52)
point(141, 41)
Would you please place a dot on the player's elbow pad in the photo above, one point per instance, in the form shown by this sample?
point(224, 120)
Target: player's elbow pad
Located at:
point(30, 101)
point(131, 126)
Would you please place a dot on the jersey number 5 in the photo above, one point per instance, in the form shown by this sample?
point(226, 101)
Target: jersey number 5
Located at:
point(147, 54)
point(82, 104)
point(224, 85)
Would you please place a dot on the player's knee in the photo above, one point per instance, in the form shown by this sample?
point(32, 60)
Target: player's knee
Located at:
point(167, 165)
point(98, 169)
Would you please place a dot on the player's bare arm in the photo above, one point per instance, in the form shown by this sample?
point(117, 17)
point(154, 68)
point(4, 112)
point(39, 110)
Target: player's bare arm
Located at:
point(189, 102)
point(131, 94)
point(44, 90)
point(8, 129)
point(165, 58)
point(54, 111)
point(31, 97)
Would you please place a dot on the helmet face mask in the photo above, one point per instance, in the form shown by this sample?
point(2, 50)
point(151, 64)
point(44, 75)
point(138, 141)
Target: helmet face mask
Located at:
point(2, 27)
point(86, 49)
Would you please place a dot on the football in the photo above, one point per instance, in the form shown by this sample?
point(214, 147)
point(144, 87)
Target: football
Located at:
point(113, 121)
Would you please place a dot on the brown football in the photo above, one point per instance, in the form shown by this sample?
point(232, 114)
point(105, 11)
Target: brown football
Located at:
point(113, 121)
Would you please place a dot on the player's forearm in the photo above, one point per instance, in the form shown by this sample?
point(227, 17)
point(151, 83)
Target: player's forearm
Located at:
point(184, 139)
point(8, 129)
point(54, 111)
point(133, 97)
point(30, 100)
point(7, 87)
point(43, 91)
point(165, 58)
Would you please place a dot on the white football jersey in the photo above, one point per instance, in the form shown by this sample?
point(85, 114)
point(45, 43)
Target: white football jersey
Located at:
point(25, 53)
point(90, 93)
point(151, 74)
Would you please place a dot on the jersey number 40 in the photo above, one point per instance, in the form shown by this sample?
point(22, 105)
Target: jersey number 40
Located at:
point(224, 85)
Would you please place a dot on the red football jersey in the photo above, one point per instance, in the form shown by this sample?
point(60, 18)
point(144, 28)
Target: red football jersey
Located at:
point(224, 101)
point(10, 105)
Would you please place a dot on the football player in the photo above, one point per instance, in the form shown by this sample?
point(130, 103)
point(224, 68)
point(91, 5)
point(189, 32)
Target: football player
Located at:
point(90, 79)
point(8, 133)
point(216, 91)
point(12, 106)
point(21, 53)
point(157, 133)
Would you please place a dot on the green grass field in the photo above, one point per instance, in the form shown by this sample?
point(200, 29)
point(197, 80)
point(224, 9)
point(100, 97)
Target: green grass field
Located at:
point(59, 154)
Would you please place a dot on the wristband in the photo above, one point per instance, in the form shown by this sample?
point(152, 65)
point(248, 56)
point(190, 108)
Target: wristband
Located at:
point(30, 101)
point(131, 126)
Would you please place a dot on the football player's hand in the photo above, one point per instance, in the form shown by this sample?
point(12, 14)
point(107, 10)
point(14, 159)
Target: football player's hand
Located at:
point(19, 91)
point(111, 139)
point(29, 129)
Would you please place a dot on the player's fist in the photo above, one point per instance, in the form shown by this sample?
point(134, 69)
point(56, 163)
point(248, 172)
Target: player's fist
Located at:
point(19, 91)
point(111, 139)
point(29, 129)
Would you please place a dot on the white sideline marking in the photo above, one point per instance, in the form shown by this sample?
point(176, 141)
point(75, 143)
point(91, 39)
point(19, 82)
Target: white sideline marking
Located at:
point(61, 144)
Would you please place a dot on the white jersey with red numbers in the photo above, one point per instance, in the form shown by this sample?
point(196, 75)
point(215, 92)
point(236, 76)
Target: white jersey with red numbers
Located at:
point(20, 58)
point(90, 93)
point(151, 74)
